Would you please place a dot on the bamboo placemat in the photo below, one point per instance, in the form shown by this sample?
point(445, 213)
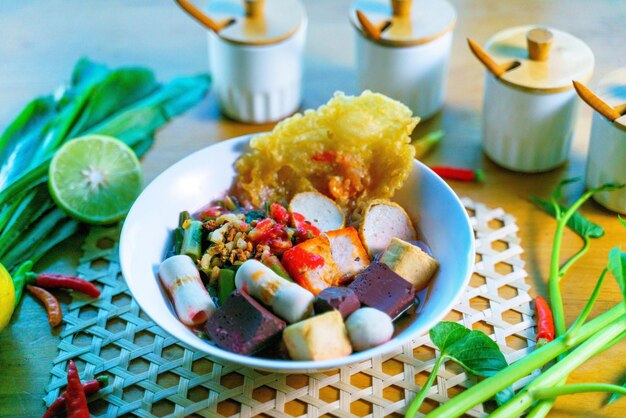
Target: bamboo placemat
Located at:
point(152, 374)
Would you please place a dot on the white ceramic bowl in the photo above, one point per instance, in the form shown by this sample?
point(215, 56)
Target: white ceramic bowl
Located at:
point(208, 173)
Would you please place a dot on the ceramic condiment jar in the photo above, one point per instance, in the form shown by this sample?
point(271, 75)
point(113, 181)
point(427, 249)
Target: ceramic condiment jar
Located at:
point(403, 49)
point(606, 160)
point(255, 55)
point(530, 106)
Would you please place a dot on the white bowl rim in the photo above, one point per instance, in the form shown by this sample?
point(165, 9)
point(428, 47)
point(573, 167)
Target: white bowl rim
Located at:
point(290, 366)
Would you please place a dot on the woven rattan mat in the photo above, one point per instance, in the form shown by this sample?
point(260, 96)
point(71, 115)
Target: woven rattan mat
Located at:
point(152, 374)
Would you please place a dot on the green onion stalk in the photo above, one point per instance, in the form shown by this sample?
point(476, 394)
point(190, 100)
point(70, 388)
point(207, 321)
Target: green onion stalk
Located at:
point(126, 103)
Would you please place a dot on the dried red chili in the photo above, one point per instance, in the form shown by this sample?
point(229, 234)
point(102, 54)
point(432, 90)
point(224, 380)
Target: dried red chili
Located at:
point(57, 408)
point(460, 174)
point(545, 322)
point(55, 315)
point(75, 401)
point(63, 281)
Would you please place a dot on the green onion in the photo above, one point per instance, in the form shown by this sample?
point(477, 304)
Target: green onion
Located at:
point(225, 284)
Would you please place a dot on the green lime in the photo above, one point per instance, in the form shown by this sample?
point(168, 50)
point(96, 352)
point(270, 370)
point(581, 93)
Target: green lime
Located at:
point(95, 178)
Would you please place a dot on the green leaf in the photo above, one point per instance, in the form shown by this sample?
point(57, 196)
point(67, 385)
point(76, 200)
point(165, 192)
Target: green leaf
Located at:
point(578, 223)
point(559, 188)
point(622, 221)
point(86, 70)
point(617, 267)
point(478, 354)
point(19, 279)
point(119, 90)
point(30, 207)
point(20, 140)
point(615, 396)
point(473, 350)
point(154, 110)
point(65, 229)
point(445, 334)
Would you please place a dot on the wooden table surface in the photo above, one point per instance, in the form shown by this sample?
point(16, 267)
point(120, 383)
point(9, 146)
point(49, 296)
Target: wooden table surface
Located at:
point(41, 40)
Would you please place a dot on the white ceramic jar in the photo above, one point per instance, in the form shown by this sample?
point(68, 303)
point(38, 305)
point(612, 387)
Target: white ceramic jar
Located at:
point(408, 60)
point(606, 160)
point(258, 84)
point(529, 112)
point(255, 56)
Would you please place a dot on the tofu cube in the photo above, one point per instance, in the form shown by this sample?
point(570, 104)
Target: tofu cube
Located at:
point(410, 262)
point(320, 337)
point(311, 264)
point(348, 252)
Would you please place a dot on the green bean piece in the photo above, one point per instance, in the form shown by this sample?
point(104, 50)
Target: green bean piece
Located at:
point(274, 264)
point(192, 240)
point(177, 242)
point(230, 204)
point(182, 217)
point(225, 284)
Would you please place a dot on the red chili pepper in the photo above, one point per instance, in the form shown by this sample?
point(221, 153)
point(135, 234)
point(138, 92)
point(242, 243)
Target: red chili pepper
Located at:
point(55, 281)
point(298, 221)
point(545, 322)
point(324, 156)
point(209, 211)
point(460, 174)
point(279, 213)
point(262, 231)
point(75, 401)
point(280, 245)
point(57, 408)
point(55, 315)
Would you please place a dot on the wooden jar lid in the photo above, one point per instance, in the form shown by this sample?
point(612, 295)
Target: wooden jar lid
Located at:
point(612, 90)
point(548, 59)
point(257, 22)
point(405, 22)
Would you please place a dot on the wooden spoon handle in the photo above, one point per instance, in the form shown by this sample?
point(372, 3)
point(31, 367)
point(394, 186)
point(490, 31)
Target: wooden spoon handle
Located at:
point(595, 102)
point(204, 20)
point(369, 28)
point(493, 67)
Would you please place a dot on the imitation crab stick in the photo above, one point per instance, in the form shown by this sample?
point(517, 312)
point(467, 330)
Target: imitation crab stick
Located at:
point(288, 300)
point(191, 300)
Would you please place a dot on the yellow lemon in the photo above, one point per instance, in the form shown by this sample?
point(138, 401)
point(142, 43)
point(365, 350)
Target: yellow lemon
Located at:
point(7, 297)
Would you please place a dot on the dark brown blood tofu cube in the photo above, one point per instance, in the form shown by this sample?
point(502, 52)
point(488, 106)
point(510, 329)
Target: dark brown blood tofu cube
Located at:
point(380, 287)
point(342, 299)
point(243, 326)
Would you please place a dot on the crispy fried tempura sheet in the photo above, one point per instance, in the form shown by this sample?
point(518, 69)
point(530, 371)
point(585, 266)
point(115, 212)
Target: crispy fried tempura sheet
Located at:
point(352, 149)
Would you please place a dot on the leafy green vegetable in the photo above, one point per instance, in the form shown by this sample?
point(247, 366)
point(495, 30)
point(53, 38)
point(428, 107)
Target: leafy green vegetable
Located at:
point(558, 191)
point(20, 140)
point(473, 350)
point(578, 223)
point(127, 103)
point(615, 396)
point(622, 220)
point(617, 266)
point(476, 352)
point(446, 334)
point(571, 347)
point(253, 215)
point(19, 279)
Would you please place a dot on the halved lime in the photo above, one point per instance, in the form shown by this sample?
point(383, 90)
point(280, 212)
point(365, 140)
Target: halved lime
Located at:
point(95, 178)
